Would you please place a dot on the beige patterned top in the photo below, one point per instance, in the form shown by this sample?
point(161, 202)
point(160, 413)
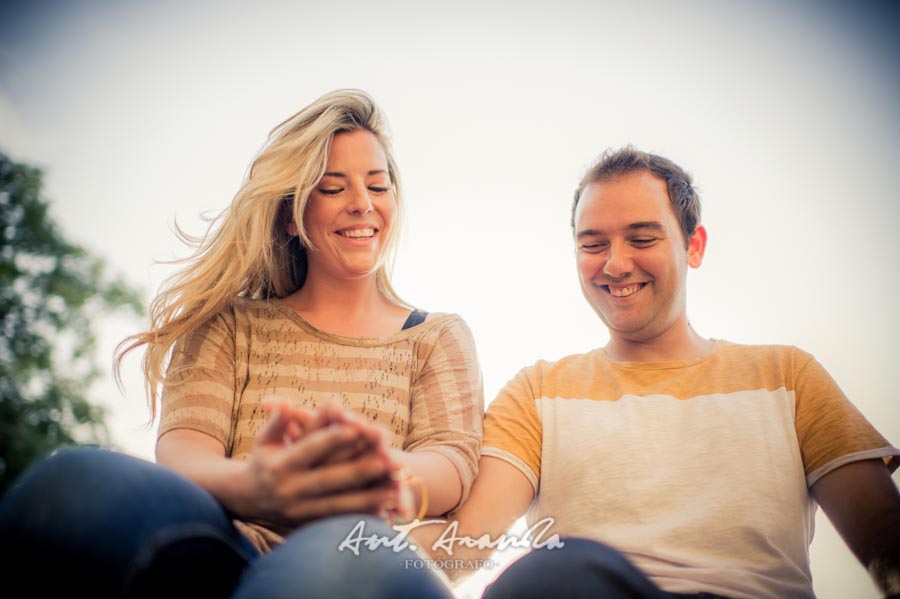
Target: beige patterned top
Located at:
point(423, 383)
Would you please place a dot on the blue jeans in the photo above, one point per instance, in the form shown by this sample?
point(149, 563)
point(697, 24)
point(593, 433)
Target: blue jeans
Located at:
point(98, 523)
point(582, 568)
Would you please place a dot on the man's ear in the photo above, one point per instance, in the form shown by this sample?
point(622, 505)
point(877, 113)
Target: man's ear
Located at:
point(696, 247)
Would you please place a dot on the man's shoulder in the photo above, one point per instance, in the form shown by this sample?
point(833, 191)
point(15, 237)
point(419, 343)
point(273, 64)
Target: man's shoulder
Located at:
point(578, 360)
point(748, 351)
point(781, 364)
point(555, 375)
point(724, 349)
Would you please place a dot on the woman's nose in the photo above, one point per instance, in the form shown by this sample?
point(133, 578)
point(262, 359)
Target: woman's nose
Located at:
point(359, 201)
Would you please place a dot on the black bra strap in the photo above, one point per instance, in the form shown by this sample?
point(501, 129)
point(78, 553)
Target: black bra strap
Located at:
point(416, 317)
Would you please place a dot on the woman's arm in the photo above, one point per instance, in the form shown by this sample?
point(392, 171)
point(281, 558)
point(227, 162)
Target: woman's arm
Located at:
point(430, 469)
point(282, 485)
point(439, 477)
point(446, 411)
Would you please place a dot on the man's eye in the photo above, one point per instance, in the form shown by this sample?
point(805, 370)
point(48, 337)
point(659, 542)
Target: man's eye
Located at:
point(643, 241)
point(331, 191)
point(593, 247)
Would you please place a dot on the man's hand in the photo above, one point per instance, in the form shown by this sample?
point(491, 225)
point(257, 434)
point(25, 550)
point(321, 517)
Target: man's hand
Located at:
point(500, 495)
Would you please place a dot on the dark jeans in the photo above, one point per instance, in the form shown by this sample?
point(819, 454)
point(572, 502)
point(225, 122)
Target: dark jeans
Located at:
point(88, 522)
point(582, 568)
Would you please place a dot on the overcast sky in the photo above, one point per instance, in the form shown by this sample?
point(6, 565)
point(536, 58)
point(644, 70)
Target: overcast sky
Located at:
point(786, 113)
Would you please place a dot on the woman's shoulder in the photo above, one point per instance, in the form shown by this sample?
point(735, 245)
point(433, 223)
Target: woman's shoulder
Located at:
point(244, 314)
point(442, 328)
point(252, 308)
point(243, 303)
point(446, 344)
point(441, 320)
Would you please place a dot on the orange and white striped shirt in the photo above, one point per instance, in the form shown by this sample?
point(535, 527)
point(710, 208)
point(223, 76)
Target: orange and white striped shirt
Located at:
point(697, 471)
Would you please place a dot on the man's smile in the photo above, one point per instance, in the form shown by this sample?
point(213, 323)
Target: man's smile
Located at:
point(623, 290)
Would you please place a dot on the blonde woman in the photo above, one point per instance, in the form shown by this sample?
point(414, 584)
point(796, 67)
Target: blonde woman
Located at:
point(299, 397)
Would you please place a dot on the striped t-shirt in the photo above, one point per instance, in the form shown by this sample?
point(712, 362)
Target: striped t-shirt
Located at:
point(423, 383)
point(697, 471)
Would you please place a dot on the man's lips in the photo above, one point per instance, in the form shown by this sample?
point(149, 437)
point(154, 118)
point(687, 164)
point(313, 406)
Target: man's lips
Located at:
point(623, 290)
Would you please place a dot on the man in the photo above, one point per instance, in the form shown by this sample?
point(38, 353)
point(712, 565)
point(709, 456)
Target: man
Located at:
point(686, 465)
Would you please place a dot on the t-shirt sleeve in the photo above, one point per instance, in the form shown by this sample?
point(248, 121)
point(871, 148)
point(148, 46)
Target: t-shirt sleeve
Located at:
point(512, 427)
point(200, 381)
point(447, 401)
point(830, 430)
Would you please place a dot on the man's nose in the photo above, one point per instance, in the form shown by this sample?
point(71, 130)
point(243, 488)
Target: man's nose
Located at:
point(618, 261)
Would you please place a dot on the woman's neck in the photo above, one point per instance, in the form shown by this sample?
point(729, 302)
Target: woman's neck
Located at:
point(347, 308)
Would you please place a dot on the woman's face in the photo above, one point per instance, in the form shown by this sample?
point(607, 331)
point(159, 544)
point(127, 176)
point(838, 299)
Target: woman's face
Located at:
point(351, 210)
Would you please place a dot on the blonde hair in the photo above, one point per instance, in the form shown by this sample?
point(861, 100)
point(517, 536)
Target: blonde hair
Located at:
point(247, 251)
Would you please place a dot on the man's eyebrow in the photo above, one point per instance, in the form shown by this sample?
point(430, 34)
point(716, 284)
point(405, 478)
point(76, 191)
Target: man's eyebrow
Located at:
point(343, 176)
point(650, 224)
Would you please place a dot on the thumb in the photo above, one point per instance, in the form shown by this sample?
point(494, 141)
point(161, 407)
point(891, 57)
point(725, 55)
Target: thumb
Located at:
point(273, 431)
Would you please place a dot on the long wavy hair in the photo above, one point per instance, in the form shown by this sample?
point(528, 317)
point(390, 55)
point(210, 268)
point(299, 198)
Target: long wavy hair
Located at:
point(246, 250)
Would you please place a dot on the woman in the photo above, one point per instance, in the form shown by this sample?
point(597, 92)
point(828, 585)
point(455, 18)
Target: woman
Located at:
point(287, 298)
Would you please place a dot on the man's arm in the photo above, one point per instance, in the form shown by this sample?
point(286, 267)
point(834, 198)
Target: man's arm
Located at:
point(500, 495)
point(863, 503)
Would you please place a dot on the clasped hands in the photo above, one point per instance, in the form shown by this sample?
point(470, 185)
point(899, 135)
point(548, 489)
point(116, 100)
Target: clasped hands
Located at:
point(307, 464)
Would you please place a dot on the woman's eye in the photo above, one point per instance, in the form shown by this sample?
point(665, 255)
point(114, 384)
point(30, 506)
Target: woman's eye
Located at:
point(379, 189)
point(331, 191)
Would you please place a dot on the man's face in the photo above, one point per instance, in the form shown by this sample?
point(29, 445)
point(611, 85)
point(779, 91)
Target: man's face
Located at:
point(631, 256)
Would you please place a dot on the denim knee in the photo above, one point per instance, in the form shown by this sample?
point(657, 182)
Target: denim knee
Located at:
point(582, 568)
point(104, 519)
point(319, 560)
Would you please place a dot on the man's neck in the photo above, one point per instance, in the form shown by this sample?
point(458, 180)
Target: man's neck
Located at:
point(672, 346)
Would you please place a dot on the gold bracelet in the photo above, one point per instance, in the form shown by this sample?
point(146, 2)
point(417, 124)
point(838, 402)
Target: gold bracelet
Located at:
point(403, 477)
point(423, 492)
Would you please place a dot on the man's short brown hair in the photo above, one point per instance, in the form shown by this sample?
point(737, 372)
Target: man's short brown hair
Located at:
point(613, 164)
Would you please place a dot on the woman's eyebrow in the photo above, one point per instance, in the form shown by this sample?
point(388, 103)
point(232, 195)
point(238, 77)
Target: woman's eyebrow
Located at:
point(344, 176)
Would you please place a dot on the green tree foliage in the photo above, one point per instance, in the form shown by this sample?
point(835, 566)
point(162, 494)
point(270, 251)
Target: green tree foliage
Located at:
point(51, 293)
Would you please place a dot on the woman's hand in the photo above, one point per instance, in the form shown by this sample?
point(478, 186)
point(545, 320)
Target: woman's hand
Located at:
point(304, 466)
point(303, 421)
point(371, 437)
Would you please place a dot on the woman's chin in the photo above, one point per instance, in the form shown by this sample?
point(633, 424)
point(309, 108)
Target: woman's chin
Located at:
point(360, 270)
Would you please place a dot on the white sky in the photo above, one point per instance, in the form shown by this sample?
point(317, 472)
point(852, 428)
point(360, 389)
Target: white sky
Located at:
point(142, 113)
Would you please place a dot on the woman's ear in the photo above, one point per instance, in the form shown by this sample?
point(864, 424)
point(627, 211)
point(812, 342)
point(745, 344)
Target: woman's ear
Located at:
point(287, 216)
